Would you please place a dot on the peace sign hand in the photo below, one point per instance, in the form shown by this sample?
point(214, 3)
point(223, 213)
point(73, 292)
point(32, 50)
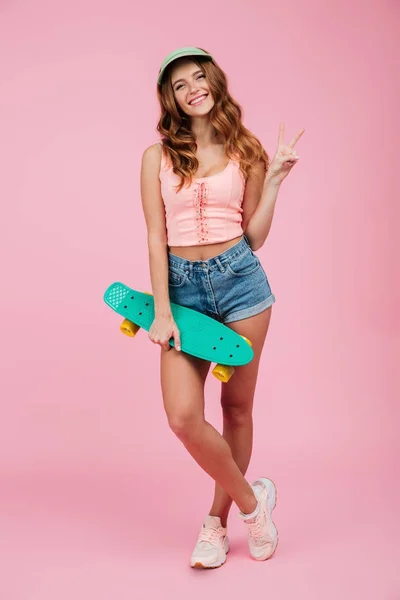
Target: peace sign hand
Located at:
point(285, 157)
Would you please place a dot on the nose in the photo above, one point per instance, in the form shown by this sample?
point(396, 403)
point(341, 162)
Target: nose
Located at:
point(193, 89)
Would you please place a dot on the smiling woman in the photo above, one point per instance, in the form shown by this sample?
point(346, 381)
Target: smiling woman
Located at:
point(208, 203)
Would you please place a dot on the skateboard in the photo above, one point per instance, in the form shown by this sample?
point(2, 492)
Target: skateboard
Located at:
point(201, 336)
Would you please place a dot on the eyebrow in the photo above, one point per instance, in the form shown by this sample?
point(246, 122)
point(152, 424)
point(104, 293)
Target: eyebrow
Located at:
point(193, 75)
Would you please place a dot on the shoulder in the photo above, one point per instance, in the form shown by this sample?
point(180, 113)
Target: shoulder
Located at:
point(152, 159)
point(152, 153)
point(157, 156)
point(255, 174)
point(257, 170)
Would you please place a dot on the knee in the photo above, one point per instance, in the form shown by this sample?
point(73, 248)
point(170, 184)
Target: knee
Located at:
point(183, 425)
point(237, 416)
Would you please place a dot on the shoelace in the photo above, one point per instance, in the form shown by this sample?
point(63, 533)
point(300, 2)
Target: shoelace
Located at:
point(255, 532)
point(200, 200)
point(209, 534)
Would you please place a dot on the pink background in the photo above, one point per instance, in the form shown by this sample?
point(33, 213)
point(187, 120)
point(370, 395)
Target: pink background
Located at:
point(98, 498)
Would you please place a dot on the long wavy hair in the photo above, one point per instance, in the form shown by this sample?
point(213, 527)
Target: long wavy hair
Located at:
point(179, 143)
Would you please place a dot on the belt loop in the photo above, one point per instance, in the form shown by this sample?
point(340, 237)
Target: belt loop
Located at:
point(220, 265)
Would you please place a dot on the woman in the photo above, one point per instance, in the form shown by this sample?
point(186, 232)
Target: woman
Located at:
point(206, 184)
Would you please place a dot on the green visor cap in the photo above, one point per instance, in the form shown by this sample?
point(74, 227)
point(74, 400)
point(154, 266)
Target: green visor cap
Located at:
point(187, 51)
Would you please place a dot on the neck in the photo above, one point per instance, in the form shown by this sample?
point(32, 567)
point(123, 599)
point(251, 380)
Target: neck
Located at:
point(204, 132)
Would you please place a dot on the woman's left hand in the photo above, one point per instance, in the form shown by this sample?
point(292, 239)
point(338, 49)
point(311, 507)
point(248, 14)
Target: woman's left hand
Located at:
point(285, 157)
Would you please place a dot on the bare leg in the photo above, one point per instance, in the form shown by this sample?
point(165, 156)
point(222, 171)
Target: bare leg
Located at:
point(237, 404)
point(182, 382)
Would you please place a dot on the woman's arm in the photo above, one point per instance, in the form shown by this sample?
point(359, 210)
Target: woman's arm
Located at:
point(259, 200)
point(263, 189)
point(163, 327)
point(154, 215)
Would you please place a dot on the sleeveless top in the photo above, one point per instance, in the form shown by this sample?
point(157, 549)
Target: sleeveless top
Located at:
point(207, 212)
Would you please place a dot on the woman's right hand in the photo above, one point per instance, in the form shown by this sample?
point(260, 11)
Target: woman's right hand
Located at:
point(162, 330)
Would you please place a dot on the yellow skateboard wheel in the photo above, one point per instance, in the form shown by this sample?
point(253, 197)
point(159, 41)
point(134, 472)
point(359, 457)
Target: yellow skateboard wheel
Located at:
point(129, 328)
point(247, 340)
point(223, 372)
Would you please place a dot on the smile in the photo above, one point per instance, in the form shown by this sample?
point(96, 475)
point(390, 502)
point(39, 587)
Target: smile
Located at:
point(198, 100)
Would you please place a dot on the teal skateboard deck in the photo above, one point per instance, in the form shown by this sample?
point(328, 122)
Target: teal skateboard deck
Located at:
point(201, 336)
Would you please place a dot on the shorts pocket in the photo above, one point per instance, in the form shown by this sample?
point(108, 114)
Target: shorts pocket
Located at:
point(176, 278)
point(244, 264)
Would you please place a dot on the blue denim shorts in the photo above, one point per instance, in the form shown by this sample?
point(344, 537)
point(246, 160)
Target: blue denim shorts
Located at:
point(228, 287)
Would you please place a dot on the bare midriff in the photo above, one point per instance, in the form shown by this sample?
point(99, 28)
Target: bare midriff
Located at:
point(204, 252)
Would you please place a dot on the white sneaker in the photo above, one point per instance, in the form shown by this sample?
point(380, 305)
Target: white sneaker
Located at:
point(212, 545)
point(262, 533)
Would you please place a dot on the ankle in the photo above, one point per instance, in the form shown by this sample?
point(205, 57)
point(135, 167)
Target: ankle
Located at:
point(222, 515)
point(221, 510)
point(249, 506)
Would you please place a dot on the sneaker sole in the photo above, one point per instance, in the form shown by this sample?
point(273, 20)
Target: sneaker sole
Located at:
point(272, 497)
point(199, 565)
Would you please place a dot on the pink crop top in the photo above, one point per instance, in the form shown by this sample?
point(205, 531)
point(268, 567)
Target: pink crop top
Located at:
point(207, 212)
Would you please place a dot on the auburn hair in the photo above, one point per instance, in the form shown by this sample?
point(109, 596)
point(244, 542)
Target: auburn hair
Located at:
point(178, 139)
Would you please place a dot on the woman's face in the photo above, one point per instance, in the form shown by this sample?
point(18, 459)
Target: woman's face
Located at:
point(191, 89)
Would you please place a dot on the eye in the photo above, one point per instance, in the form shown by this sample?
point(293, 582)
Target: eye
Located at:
point(178, 87)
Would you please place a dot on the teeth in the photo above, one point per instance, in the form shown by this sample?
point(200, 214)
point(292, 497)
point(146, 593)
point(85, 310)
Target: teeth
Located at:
point(197, 100)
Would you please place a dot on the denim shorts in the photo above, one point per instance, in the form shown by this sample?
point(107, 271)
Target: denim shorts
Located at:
point(228, 287)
